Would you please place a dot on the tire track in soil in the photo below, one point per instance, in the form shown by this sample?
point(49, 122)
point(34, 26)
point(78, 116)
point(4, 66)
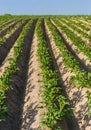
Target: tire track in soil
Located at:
point(78, 101)
point(15, 97)
point(7, 45)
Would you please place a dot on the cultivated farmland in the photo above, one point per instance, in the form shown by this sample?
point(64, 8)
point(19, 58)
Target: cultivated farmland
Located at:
point(45, 72)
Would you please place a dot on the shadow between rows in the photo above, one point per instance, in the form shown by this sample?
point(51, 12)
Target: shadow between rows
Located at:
point(81, 62)
point(15, 97)
point(71, 122)
point(7, 45)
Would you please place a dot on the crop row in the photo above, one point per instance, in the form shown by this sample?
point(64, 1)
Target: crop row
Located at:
point(75, 39)
point(5, 25)
point(53, 100)
point(5, 20)
point(81, 78)
point(74, 27)
point(11, 69)
point(77, 23)
point(8, 31)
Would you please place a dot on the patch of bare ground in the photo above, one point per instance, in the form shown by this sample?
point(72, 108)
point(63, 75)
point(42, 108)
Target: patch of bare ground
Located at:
point(31, 112)
point(77, 97)
point(84, 63)
point(15, 97)
point(85, 40)
point(7, 45)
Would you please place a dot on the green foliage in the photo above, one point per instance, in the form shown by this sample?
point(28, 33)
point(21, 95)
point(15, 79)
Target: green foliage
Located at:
point(10, 30)
point(51, 93)
point(77, 41)
point(10, 70)
point(89, 102)
point(2, 39)
point(81, 77)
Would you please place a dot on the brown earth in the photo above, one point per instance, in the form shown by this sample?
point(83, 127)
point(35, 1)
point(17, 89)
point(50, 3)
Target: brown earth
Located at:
point(77, 97)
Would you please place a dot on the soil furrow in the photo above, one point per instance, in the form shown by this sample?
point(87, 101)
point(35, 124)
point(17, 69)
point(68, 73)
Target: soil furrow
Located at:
point(85, 40)
point(84, 63)
point(15, 97)
point(7, 45)
point(6, 23)
point(77, 26)
point(3, 32)
point(62, 123)
point(31, 111)
point(83, 21)
point(76, 96)
point(87, 23)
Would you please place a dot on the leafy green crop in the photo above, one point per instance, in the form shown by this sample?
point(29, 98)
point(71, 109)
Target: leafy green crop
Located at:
point(10, 70)
point(81, 78)
point(52, 97)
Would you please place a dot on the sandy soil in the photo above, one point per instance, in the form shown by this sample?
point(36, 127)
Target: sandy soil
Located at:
point(76, 96)
point(87, 23)
point(85, 40)
point(79, 54)
point(8, 43)
point(31, 111)
point(76, 26)
point(10, 54)
point(6, 61)
point(83, 21)
point(15, 97)
point(4, 31)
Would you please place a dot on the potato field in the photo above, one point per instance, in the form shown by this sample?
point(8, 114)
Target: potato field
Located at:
point(45, 72)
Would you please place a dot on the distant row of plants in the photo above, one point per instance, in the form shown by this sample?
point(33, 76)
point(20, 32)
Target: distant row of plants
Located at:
point(77, 22)
point(81, 77)
point(6, 24)
point(10, 30)
point(4, 20)
point(77, 41)
point(75, 26)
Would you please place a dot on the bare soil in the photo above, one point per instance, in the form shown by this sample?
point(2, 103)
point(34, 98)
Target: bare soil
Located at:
point(31, 112)
point(7, 45)
point(77, 97)
point(84, 63)
point(4, 31)
point(85, 40)
point(15, 97)
point(24, 99)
